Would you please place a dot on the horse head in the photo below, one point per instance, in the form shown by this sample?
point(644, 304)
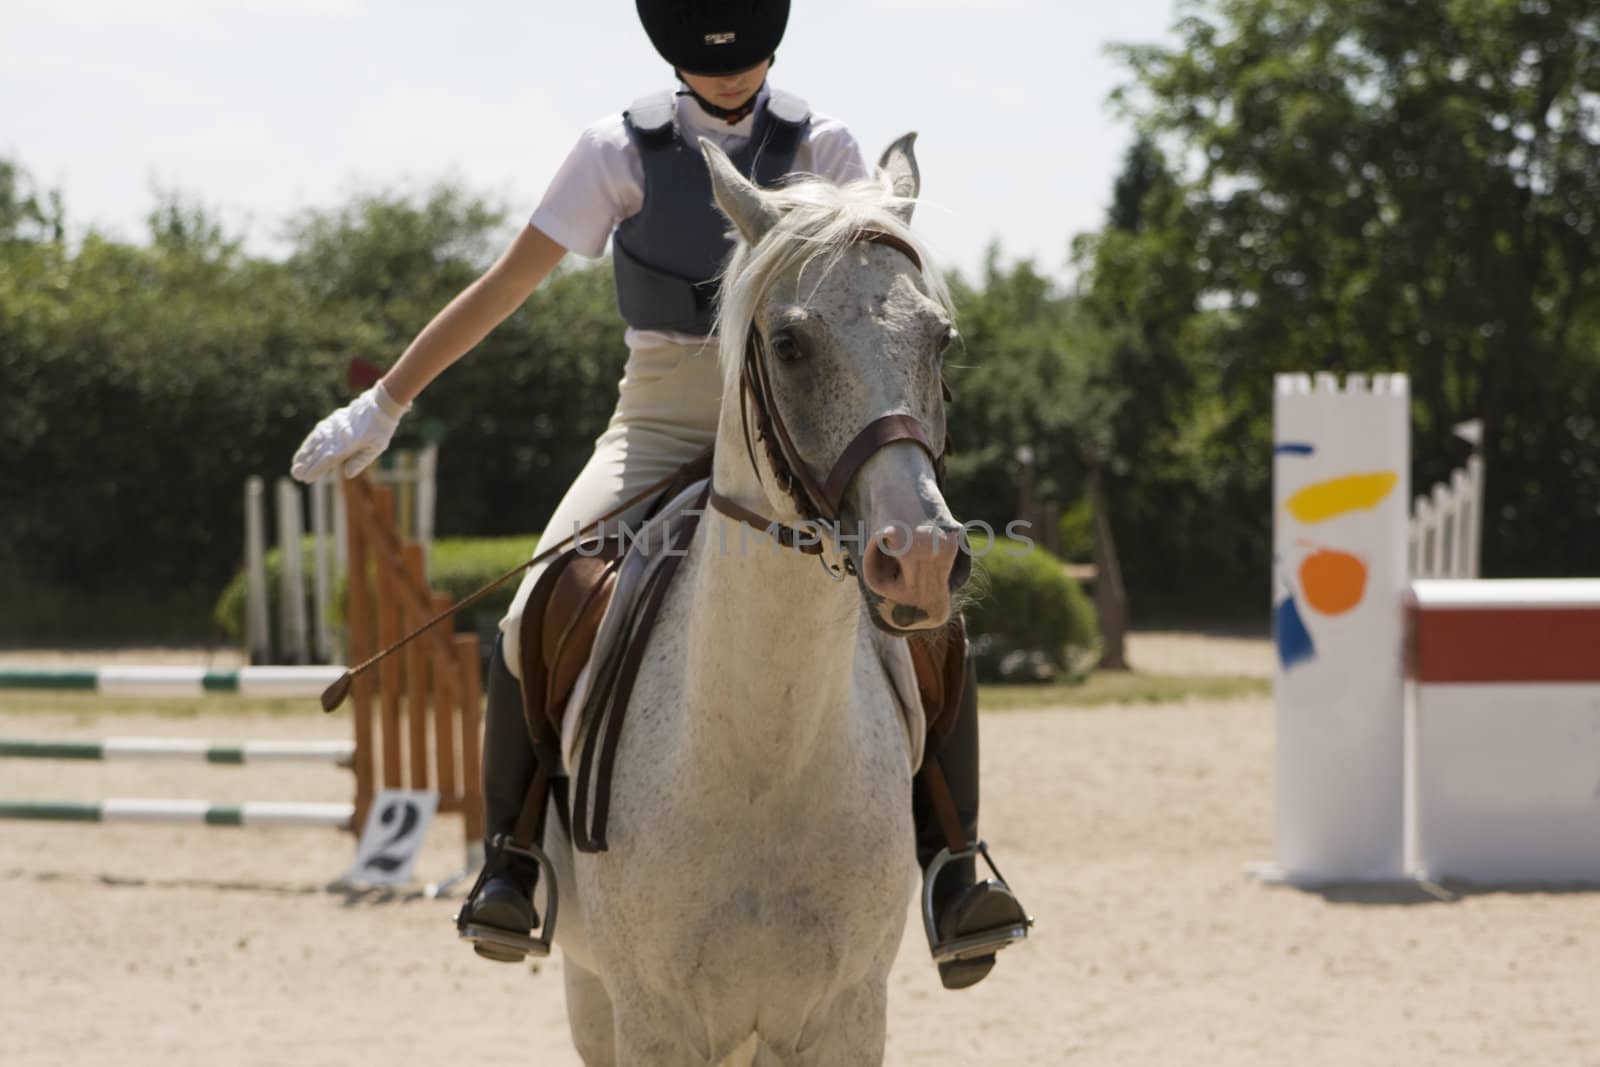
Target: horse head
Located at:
point(837, 327)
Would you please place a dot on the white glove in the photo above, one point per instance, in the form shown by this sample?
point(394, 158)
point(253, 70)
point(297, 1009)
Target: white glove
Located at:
point(356, 435)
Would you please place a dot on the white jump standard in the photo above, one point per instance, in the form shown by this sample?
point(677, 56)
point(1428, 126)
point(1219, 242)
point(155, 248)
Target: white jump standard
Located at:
point(1443, 729)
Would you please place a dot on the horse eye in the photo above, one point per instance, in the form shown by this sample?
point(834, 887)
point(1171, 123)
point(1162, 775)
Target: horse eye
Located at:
point(786, 347)
point(950, 336)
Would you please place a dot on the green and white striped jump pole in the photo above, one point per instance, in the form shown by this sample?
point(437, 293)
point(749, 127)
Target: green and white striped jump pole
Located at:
point(267, 682)
point(200, 812)
point(338, 753)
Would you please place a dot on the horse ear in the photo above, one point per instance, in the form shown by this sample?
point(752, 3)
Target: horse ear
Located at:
point(898, 170)
point(737, 196)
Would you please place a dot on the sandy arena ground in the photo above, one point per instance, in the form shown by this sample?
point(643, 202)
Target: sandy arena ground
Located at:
point(1126, 831)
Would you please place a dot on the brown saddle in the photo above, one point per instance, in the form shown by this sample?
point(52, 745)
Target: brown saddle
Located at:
point(559, 626)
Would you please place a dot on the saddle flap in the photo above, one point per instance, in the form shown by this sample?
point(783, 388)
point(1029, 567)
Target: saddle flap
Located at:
point(572, 616)
point(566, 606)
point(614, 625)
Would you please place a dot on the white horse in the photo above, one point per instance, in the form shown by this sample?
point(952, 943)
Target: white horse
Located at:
point(760, 859)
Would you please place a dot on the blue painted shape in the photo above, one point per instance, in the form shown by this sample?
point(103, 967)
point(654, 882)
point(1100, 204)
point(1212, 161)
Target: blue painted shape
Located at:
point(1293, 448)
point(1290, 633)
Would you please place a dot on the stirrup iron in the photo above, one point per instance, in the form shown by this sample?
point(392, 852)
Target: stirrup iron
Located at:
point(524, 943)
point(981, 943)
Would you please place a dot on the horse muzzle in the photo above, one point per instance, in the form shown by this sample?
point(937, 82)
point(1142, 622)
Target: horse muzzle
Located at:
point(911, 574)
point(914, 555)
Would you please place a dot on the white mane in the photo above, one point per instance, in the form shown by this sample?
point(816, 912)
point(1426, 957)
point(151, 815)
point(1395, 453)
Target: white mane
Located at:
point(817, 218)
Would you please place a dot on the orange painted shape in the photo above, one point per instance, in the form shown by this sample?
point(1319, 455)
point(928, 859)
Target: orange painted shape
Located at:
point(1333, 581)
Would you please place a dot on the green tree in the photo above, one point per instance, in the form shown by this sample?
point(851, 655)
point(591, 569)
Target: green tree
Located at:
point(1020, 375)
point(139, 387)
point(1186, 500)
point(520, 413)
point(1367, 186)
point(25, 216)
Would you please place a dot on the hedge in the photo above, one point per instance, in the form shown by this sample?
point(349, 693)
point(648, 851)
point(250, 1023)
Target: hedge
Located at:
point(457, 566)
point(1027, 619)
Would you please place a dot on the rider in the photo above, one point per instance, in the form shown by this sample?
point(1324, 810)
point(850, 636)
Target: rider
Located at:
point(639, 179)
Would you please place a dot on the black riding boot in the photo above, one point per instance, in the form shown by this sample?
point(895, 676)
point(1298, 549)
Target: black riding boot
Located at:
point(504, 897)
point(984, 914)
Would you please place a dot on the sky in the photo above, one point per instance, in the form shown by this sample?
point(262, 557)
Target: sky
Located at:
point(260, 108)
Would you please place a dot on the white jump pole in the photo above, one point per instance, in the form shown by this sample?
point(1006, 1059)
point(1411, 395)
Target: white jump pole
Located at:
point(266, 682)
point(1472, 537)
point(228, 753)
point(292, 599)
point(1340, 501)
point(130, 809)
point(258, 633)
point(427, 496)
point(322, 578)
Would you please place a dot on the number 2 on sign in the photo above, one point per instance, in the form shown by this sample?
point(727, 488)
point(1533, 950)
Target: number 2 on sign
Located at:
point(397, 824)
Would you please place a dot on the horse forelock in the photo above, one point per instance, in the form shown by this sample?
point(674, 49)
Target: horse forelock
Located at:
point(818, 219)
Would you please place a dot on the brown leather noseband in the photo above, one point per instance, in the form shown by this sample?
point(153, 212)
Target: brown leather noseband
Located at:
point(819, 503)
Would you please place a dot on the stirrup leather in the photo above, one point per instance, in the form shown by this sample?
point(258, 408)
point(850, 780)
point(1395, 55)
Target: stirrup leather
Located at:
point(524, 943)
point(980, 943)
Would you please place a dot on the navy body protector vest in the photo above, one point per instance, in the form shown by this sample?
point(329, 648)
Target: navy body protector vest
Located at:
point(667, 256)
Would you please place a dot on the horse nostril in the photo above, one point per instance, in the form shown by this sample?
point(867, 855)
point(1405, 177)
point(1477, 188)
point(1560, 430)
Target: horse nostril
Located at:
point(883, 567)
point(961, 570)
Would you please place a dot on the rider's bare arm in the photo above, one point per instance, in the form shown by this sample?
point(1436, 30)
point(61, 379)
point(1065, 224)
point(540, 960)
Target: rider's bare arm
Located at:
point(479, 308)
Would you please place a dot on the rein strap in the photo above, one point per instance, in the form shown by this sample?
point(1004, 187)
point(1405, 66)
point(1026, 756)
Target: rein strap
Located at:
point(786, 534)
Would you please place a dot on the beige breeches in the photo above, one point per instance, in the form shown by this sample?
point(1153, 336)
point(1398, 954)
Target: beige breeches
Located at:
point(666, 414)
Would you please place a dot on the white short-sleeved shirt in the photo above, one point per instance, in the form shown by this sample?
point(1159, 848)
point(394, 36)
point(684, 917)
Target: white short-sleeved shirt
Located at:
point(601, 183)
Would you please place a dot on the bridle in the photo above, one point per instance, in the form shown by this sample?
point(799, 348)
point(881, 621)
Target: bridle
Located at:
point(820, 504)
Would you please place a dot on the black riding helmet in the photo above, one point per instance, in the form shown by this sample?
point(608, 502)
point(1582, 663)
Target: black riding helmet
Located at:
point(714, 37)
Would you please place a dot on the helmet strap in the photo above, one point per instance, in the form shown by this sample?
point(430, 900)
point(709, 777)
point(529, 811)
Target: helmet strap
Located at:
point(731, 115)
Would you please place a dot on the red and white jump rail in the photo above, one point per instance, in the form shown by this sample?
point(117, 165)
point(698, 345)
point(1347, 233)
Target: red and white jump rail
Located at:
point(1505, 729)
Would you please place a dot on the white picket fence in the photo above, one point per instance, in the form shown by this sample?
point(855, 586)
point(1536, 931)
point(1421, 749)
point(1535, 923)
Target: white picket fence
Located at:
point(1446, 529)
point(300, 639)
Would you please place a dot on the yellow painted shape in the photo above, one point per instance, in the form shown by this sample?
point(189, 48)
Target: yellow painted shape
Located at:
point(1339, 496)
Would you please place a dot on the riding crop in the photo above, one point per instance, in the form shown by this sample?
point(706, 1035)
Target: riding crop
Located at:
point(334, 695)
